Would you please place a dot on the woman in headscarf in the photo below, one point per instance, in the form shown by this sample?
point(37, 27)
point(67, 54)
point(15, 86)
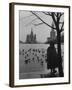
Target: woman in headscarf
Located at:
point(52, 58)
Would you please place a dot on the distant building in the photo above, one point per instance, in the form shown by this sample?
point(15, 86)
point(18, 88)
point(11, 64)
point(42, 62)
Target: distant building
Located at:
point(52, 34)
point(31, 38)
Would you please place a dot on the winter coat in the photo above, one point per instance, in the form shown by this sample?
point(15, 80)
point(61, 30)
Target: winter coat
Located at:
point(52, 58)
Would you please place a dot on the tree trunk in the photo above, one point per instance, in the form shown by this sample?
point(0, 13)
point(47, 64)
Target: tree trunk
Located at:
point(59, 54)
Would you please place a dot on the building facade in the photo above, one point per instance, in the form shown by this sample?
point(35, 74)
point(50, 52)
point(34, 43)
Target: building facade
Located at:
point(52, 34)
point(31, 38)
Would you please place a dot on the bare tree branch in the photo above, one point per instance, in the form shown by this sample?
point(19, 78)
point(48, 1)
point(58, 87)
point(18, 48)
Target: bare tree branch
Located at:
point(61, 14)
point(53, 17)
point(47, 13)
point(55, 14)
point(31, 22)
point(42, 20)
point(62, 27)
point(38, 24)
point(56, 18)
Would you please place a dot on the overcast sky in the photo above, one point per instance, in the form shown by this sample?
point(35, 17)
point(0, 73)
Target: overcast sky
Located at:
point(27, 21)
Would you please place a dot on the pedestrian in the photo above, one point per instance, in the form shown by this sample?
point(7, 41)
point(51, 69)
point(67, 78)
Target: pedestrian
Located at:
point(52, 58)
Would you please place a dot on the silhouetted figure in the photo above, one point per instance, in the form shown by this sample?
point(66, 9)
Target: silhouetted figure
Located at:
point(33, 59)
point(38, 58)
point(42, 63)
point(52, 58)
point(27, 55)
point(42, 55)
point(26, 61)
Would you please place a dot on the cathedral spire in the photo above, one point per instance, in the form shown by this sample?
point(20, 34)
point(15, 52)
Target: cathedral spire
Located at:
point(31, 31)
point(31, 38)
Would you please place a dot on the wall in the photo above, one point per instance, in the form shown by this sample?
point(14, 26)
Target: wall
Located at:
point(4, 44)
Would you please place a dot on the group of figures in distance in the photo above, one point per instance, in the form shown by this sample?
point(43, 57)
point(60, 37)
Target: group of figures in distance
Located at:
point(51, 55)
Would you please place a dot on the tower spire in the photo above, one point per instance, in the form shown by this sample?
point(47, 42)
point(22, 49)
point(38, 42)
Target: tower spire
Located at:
point(52, 25)
point(31, 32)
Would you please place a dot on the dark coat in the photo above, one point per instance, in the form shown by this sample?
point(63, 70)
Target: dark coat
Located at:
point(52, 58)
